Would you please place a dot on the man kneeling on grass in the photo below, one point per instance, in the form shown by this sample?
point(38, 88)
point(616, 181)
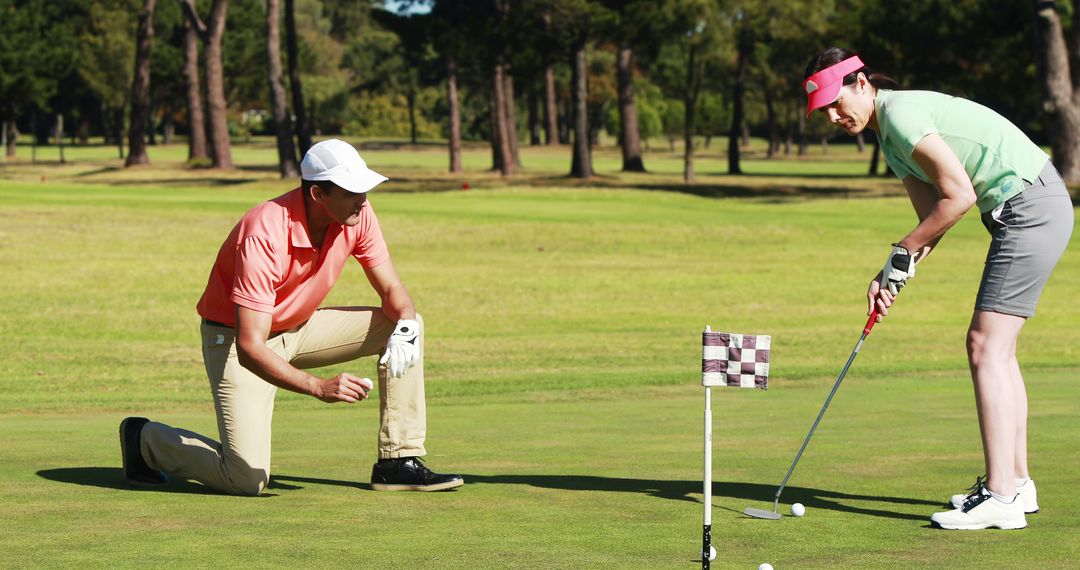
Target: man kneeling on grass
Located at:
point(261, 325)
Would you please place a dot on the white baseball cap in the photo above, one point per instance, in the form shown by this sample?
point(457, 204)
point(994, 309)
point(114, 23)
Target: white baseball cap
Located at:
point(337, 161)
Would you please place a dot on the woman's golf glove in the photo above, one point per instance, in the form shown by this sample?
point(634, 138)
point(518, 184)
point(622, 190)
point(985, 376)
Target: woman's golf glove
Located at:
point(898, 269)
point(402, 351)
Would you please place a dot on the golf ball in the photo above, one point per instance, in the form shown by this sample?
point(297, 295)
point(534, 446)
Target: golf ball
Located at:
point(798, 509)
point(712, 552)
point(765, 566)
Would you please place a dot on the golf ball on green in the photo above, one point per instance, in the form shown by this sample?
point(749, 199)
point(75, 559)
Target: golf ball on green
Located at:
point(798, 509)
point(765, 566)
point(712, 552)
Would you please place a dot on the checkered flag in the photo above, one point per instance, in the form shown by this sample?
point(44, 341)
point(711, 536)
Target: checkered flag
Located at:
point(736, 360)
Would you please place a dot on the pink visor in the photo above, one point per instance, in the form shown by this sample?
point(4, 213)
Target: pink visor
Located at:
point(823, 87)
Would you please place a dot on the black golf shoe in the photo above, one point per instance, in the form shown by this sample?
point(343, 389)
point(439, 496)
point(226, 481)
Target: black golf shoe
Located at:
point(136, 471)
point(410, 474)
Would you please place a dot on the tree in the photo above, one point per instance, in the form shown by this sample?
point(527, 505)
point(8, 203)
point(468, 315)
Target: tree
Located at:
point(303, 127)
point(106, 58)
point(745, 46)
point(37, 45)
point(282, 120)
point(198, 146)
point(501, 148)
point(581, 166)
point(140, 87)
point(576, 23)
point(211, 34)
point(551, 109)
point(682, 65)
point(635, 23)
point(1061, 88)
point(167, 88)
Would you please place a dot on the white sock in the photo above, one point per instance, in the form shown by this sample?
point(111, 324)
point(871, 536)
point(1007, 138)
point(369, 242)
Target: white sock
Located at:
point(1022, 482)
point(1002, 498)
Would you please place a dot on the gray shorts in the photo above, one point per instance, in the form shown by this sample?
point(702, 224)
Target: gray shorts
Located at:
point(1029, 234)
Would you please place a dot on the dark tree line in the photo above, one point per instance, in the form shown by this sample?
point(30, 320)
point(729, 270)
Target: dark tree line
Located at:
point(511, 72)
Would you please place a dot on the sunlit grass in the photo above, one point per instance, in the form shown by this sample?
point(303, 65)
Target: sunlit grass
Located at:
point(563, 376)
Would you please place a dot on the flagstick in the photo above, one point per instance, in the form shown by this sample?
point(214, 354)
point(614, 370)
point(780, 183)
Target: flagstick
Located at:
point(706, 534)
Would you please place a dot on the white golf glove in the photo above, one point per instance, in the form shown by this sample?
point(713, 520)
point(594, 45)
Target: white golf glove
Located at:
point(898, 269)
point(402, 351)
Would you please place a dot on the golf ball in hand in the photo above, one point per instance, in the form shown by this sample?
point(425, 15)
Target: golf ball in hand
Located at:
point(765, 566)
point(798, 509)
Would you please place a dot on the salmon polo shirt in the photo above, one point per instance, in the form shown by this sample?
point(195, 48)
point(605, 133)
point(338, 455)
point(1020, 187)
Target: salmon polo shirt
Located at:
point(268, 264)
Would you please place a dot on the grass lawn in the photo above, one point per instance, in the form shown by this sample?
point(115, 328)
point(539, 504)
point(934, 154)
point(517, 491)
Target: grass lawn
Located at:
point(563, 351)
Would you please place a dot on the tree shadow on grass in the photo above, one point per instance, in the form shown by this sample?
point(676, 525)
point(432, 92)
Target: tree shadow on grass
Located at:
point(755, 494)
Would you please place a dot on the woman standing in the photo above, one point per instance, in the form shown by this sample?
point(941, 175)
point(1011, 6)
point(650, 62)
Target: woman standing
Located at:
point(952, 154)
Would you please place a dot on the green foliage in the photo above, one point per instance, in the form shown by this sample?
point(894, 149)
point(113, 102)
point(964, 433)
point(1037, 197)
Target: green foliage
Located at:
point(388, 116)
point(107, 51)
point(673, 115)
point(244, 55)
point(37, 45)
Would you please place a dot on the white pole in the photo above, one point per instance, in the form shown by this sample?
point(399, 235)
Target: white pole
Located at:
point(706, 533)
point(706, 541)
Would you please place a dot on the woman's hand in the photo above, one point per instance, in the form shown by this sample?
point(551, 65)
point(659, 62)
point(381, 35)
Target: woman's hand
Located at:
point(878, 296)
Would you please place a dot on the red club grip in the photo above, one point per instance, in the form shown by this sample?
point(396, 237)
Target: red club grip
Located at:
point(871, 321)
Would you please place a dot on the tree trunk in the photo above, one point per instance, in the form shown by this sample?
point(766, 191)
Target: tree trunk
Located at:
point(151, 139)
point(212, 33)
point(874, 157)
point(140, 87)
point(1059, 95)
point(455, 114)
point(533, 102)
point(197, 149)
point(410, 102)
point(802, 134)
point(82, 130)
point(770, 122)
point(118, 116)
point(860, 142)
point(824, 146)
point(551, 109)
point(60, 135)
point(581, 166)
point(168, 127)
point(303, 124)
point(503, 160)
point(11, 134)
point(695, 69)
point(215, 87)
point(630, 137)
point(510, 116)
point(279, 106)
point(737, 111)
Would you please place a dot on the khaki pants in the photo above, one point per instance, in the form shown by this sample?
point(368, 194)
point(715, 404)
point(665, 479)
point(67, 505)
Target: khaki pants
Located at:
point(244, 403)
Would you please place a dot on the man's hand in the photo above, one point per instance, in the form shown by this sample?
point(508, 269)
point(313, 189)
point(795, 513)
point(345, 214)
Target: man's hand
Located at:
point(343, 388)
point(402, 351)
point(899, 267)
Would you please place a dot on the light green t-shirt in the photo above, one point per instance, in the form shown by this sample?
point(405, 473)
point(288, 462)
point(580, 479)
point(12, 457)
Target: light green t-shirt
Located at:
point(997, 156)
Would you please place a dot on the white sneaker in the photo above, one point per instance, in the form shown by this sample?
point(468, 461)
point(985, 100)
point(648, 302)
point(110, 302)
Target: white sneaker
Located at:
point(1028, 495)
point(979, 511)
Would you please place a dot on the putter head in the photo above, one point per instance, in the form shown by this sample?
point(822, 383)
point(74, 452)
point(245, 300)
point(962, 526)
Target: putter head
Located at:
point(761, 514)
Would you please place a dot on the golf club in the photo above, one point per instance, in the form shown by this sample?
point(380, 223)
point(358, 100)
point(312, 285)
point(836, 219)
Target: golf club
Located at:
point(775, 512)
